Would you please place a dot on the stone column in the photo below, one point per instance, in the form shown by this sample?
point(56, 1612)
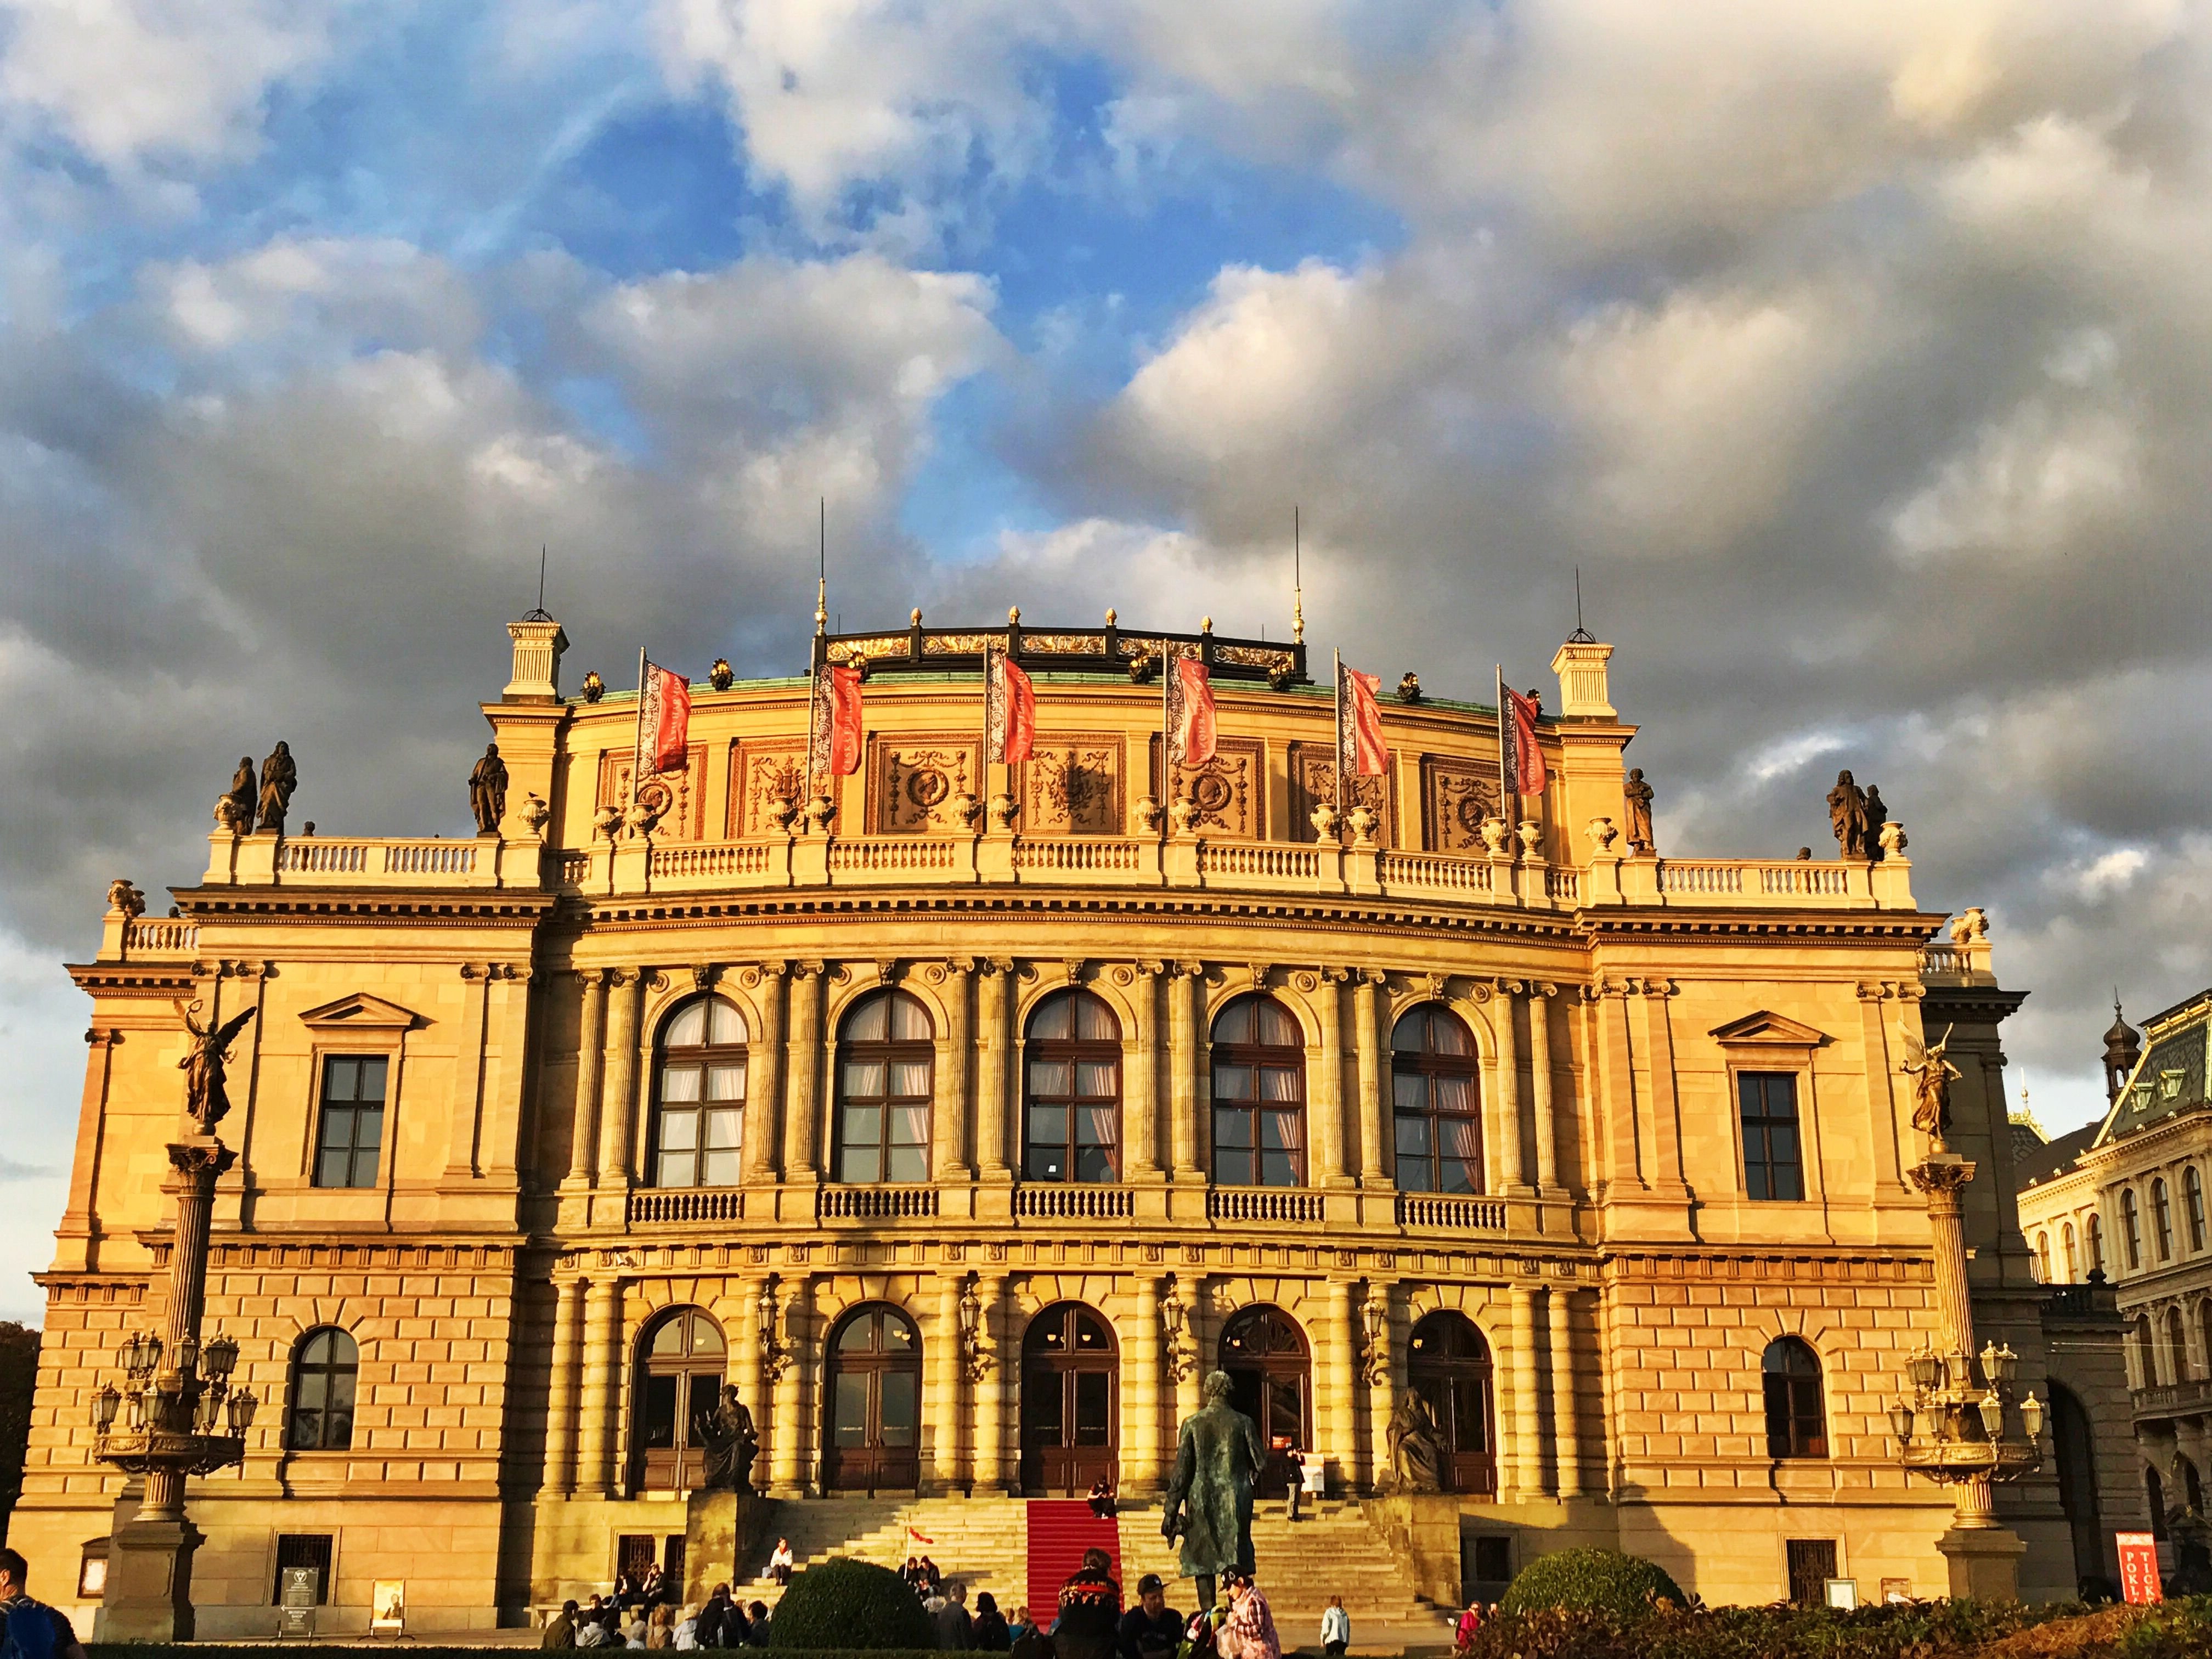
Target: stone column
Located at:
point(1328, 1098)
point(602, 1357)
point(1567, 1429)
point(1140, 1394)
point(948, 1122)
point(1382, 1395)
point(1186, 1054)
point(946, 1412)
point(1539, 1078)
point(1514, 1173)
point(763, 1083)
point(802, 1074)
point(590, 1062)
point(993, 988)
point(618, 1114)
point(1528, 1459)
point(991, 1386)
point(787, 1447)
point(1374, 1087)
point(561, 1390)
point(1339, 1444)
point(1142, 1093)
point(747, 1376)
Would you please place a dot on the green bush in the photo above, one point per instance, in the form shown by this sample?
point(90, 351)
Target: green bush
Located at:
point(1592, 1580)
point(850, 1604)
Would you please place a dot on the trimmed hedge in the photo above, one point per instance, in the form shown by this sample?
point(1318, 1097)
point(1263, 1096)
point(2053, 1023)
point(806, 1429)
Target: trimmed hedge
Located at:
point(321, 1650)
point(849, 1604)
point(1587, 1579)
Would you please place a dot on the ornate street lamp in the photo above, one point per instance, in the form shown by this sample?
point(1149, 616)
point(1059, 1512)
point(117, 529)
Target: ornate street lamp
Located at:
point(775, 1355)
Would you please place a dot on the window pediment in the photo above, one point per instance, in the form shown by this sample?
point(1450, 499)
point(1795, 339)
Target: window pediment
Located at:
point(1769, 1031)
point(361, 1011)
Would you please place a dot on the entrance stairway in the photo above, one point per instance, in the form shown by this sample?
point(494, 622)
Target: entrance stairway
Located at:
point(983, 1542)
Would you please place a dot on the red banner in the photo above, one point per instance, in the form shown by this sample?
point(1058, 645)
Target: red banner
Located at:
point(1525, 773)
point(845, 729)
point(1009, 708)
point(2139, 1566)
point(1191, 728)
point(664, 724)
point(1362, 752)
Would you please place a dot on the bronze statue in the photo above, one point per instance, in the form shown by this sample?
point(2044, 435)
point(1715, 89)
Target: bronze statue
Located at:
point(1877, 814)
point(1219, 1456)
point(1931, 1074)
point(1637, 799)
point(234, 811)
point(1847, 816)
point(206, 1099)
point(279, 778)
point(1417, 1449)
point(732, 1443)
point(488, 791)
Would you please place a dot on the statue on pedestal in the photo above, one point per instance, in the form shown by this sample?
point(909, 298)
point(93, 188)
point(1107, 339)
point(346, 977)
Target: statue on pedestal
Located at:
point(488, 791)
point(1637, 802)
point(233, 810)
point(732, 1443)
point(1931, 1074)
point(206, 1099)
point(279, 778)
point(1417, 1449)
point(1847, 817)
point(1219, 1456)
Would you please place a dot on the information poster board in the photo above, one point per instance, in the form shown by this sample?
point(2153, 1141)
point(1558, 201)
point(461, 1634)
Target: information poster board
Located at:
point(2139, 1566)
point(1843, 1593)
point(297, 1613)
point(387, 1607)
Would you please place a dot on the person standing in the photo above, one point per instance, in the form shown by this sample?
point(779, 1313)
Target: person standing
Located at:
point(1298, 1482)
point(1336, 1628)
point(955, 1631)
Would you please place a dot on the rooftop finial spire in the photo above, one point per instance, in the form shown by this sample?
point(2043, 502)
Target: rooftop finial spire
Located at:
point(1581, 636)
point(1298, 580)
point(822, 565)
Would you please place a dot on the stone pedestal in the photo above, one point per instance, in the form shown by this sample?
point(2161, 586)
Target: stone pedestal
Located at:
point(149, 1582)
point(1985, 1563)
point(721, 1530)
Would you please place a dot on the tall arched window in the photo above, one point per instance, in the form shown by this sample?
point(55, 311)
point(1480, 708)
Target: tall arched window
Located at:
point(2130, 1228)
point(2192, 1200)
point(326, 1369)
point(2161, 1218)
point(2096, 1244)
point(2074, 1447)
point(1259, 1095)
point(1796, 1417)
point(680, 1361)
point(1071, 1089)
point(2146, 1352)
point(1438, 1101)
point(885, 1071)
point(2043, 1257)
point(699, 1096)
point(2176, 1344)
point(2155, 1490)
point(2073, 1254)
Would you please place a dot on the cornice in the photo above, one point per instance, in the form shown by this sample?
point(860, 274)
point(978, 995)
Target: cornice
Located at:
point(444, 906)
point(149, 978)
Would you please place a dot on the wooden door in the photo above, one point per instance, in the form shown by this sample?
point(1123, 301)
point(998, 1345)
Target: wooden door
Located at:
point(1071, 1405)
point(1447, 1364)
point(871, 1439)
point(1270, 1374)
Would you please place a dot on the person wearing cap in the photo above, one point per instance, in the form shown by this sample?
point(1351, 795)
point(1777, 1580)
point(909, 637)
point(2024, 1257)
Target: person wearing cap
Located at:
point(1249, 1632)
point(1151, 1629)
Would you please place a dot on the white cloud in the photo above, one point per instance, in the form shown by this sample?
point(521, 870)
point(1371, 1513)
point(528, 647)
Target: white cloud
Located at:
point(2028, 484)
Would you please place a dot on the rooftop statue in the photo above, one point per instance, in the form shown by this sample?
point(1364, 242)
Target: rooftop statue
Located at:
point(488, 791)
point(279, 778)
point(1847, 817)
point(1637, 802)
point(234, 809)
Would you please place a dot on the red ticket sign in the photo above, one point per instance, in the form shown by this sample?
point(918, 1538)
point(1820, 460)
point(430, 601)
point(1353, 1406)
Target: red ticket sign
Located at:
point(2139, 1566)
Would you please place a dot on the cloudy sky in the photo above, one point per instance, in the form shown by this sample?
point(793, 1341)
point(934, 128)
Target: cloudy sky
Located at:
point(1858, 354)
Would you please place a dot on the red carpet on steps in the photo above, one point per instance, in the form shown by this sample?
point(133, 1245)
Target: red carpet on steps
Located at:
point(1061, 1529)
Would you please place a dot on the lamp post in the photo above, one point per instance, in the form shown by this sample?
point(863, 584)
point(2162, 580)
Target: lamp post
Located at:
point(174, 1414)
point(1951, 1426)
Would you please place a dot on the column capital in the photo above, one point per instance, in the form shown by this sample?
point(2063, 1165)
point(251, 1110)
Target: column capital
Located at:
point(809, 969)
point(1331, 975)
point(1376, 979)
point(1190, 969)
point(754, 973)
point(1509, 988)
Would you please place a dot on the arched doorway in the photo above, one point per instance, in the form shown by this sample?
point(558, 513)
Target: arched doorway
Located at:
point(679, 1379)
point(872, 1398)
point(1447, 1364)
point(1270, 1371)
point(1070, 1381)
point(2073, 1441)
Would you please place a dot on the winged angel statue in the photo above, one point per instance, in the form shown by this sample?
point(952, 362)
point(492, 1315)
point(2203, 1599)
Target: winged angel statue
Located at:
point(1931, 1074)
point(206, 1099)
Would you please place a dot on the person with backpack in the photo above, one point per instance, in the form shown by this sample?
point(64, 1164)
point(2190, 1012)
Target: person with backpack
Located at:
point(33, 1630)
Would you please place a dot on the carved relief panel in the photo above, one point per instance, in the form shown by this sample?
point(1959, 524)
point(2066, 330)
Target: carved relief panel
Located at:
point(1230, 791)
point(1456, 796)
point(1071, 786)
point(684, 816)
point(762, 774)
point(912, 782)
point(1312, 780)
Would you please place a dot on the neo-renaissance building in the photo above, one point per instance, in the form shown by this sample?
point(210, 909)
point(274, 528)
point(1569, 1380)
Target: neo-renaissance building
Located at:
point(965, 1121)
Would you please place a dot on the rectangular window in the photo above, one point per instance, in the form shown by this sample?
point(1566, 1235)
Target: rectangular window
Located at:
point(1773, 1163)
point(1812, 1563)
point(310, 1550)
point(349, 1127)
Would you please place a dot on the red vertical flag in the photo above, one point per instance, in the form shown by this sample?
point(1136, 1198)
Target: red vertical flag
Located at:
point(1191, 728)
point(664, 723)
point(1361, 752)
point(844, 723)
point(1520, 756)
point(1009, 708)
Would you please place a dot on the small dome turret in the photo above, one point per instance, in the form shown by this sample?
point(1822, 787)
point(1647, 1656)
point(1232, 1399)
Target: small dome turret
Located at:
point(2123, 1048)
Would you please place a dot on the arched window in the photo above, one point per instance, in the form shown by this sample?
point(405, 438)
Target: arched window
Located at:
point(680, 1361)
point(2146, 1355)
point(2043, 1257)
point(1072, 1085)
point(2074, 1447)
point(2096, 1244)
point(885, 1071)
point(1259, 1095)
point(2155, 1490)
point(2193, 1197)
point(2161, 1218)
point(2073, 1255)
point(699, 1096)
point(326, 1369)
point(1796, 1419)
point(1439, 1104)
point(2176, 1344)
point(2130, 1228)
